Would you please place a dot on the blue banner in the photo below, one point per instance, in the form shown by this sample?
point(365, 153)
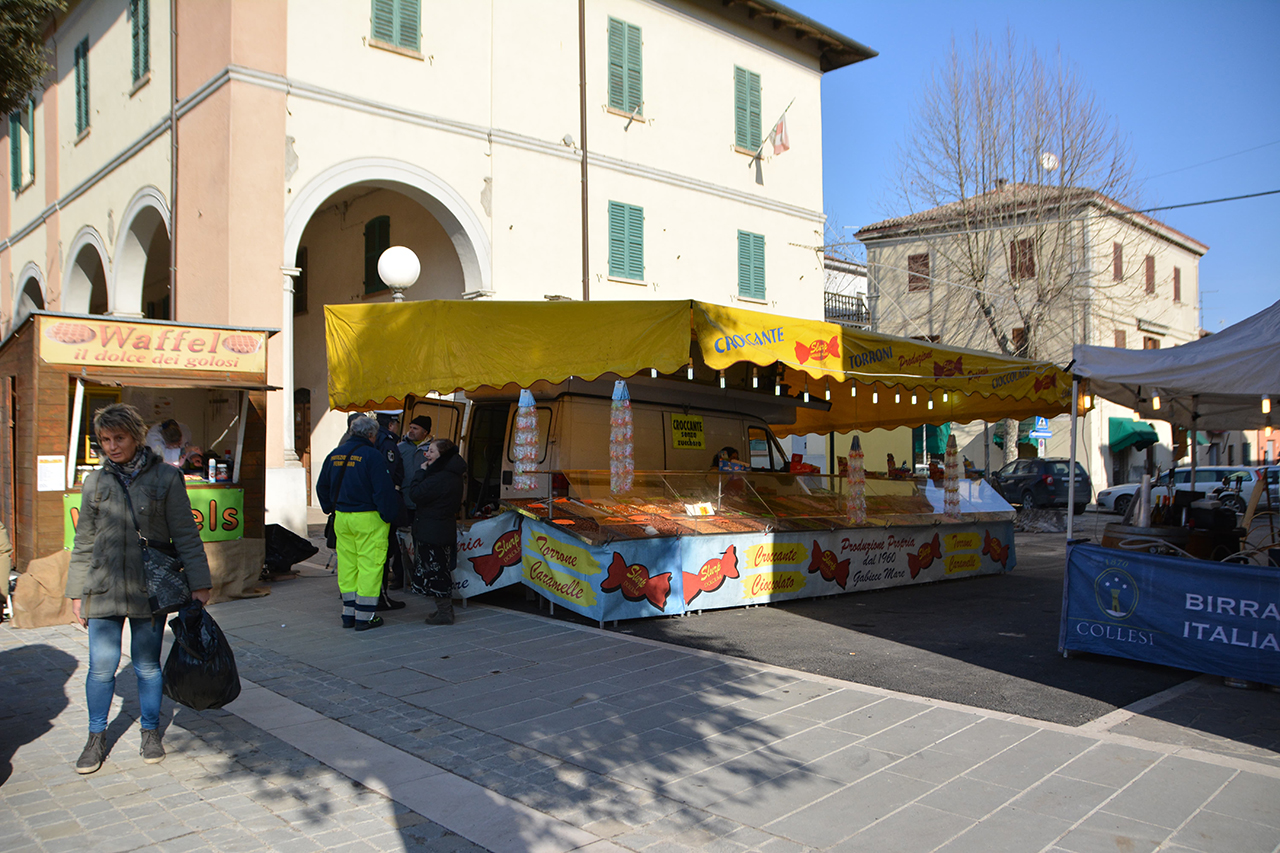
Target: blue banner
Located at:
point(1219, 618)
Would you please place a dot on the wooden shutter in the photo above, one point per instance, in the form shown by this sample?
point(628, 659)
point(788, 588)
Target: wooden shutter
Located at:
point(918, 272)
point(617, 239)
point(634, 79)
point(635, 242)
point(384, 21)
point(1120, 339)
point(1151, 274)
point(377, 239)
point(409, 24)
point(751, 283)
point(617, 68)
point(1177, 284)
point(15, 150)
point(1117, 261)
point(746, 108)
point(139, 11)
point(82, 87)
point(1022, 259)
point(1018, 338)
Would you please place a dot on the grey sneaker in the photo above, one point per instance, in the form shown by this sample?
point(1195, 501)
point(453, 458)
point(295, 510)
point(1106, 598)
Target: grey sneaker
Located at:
point(152, 752)
point(95, 752)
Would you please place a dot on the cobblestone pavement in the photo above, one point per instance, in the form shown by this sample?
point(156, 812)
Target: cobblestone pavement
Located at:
point(507, 731)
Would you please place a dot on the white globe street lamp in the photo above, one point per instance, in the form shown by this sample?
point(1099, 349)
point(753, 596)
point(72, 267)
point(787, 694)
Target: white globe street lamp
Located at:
point(399, 268)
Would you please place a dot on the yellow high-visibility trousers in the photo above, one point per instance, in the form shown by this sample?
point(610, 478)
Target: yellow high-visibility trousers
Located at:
point(362, 554)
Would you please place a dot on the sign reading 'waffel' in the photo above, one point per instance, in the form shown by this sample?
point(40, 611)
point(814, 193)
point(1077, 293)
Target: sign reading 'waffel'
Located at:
point(109, 343)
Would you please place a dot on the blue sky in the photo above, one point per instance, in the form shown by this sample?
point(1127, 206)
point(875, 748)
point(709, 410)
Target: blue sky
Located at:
point(1186, 82)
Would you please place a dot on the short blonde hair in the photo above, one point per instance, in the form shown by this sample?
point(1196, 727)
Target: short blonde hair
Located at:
point(121, 417)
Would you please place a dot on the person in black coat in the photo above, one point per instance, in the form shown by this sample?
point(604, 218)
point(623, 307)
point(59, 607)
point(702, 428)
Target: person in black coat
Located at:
point(436, 491)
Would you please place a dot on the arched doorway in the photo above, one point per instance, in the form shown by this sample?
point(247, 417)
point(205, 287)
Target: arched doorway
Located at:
point(84, 289)
point(29, 297)
point(141, 285)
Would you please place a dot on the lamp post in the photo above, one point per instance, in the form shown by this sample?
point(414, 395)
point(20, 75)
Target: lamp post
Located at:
point(398, 267)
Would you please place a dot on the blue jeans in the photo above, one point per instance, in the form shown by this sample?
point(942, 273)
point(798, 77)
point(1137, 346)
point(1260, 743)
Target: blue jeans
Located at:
point(104, 659)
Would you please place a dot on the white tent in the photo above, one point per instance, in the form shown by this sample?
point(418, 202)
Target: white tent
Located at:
point(1215, 383)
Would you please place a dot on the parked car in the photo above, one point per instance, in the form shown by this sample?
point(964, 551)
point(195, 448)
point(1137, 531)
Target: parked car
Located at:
point(1237, 487)
point(1042, 482)
point(1208, 477)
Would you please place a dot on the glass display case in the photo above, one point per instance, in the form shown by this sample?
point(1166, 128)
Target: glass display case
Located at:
point(694, 503)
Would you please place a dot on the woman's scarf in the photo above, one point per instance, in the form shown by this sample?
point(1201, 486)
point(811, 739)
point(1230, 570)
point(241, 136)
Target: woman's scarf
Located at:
point(129, 471)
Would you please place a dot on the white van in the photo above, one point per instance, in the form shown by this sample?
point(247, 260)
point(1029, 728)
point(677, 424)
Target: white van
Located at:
point(677, 427)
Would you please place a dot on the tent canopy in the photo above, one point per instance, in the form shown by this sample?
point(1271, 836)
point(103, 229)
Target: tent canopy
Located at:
point(1215, 383)
point(379, 353)
point(1126, 432)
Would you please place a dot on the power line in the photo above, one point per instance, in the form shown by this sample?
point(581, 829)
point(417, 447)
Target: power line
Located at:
point(1198, 203)
point(1215, 159)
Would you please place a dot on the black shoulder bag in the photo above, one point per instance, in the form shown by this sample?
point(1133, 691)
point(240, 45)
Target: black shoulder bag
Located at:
point(331, 535)
point(168, 589)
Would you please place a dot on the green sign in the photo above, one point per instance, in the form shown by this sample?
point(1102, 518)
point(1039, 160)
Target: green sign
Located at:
point(219, 514)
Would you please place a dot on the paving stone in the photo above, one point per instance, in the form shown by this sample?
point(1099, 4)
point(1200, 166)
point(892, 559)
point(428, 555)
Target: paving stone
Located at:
point(912, 829)
point(1170, 792)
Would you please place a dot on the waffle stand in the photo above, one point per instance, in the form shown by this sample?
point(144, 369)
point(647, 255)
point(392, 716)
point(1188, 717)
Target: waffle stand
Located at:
point(57, 370)
point(669, 542)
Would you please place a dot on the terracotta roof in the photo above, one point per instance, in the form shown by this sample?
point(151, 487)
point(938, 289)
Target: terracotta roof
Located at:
point(1015, 199)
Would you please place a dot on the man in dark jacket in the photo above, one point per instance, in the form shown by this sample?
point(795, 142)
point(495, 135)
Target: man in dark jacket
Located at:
point(355, 482)
point(387, 443)
point(413, 450)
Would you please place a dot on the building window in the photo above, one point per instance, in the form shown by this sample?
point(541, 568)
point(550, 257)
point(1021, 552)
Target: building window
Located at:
point(750, 265)
point(918, 272)
point(1117, 262)
point(1022, 258)
point(300, 282)
point(1120, 339)
point(746, 109)
point(1149, 342)
point(82, 87)
point(377, 239)
point(1177, 284)
point(1018, 337)
point(1231, 454)
point(624, 67)
point(22, 138)
point(140, 13)
point(398, 23)
point(626, 241)
point(1151, 274)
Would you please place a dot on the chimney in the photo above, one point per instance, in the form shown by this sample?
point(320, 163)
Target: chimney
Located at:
point(1001, 183)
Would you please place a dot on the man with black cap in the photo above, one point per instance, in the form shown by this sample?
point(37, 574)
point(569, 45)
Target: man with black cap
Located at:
point(413, 452)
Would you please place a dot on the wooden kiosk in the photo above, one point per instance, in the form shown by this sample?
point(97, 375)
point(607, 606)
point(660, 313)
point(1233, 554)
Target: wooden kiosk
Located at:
point(57, 370)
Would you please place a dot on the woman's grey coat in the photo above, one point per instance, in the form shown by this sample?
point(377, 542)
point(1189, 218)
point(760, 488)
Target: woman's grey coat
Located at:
point(106, 563)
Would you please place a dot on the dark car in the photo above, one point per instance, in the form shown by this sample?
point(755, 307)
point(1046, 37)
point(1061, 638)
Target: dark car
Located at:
point(1042, 482)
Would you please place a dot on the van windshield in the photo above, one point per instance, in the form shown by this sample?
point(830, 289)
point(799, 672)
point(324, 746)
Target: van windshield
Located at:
point(765, 453)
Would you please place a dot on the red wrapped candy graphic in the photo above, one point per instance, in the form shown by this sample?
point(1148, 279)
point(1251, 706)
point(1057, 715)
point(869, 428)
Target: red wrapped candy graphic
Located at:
point(1044, 383)
point(635, 583)
point(949, 368)
point(922, 560)
point(712, 574)
point(818, 350)
point(991, 545)
point(831, 568)
point(506, 552)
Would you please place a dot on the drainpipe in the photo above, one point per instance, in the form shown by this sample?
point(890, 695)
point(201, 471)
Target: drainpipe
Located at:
point(173, 159)
point(582, 132)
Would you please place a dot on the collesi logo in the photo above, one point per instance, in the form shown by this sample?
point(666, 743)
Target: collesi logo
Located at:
point(818, 350)
point(1116, 593)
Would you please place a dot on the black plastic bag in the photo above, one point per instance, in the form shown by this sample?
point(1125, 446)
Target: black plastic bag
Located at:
point(200, 671)
point(285, 548)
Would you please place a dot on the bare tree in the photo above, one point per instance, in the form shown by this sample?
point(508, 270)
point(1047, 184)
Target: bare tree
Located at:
point(22, 48)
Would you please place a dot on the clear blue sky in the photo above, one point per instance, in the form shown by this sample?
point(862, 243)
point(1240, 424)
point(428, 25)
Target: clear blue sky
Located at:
point(1187, 83)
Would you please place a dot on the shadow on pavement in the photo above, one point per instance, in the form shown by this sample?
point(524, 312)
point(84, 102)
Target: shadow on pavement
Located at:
point(36, 680)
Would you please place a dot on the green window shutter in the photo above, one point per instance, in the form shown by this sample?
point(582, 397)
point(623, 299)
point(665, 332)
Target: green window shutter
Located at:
point(409, 24)
point(746, 108)
point(377, 239)
point(635, 242)
point(384, 21)
point(617, 240)
point(15, 150)
point(82, 87)
point(751, 265)
point(617, 69)
point(31, 136)
point(140, 12)
point(634, 96)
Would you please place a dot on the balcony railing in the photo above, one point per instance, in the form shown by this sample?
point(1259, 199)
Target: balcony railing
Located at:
point(847, 309)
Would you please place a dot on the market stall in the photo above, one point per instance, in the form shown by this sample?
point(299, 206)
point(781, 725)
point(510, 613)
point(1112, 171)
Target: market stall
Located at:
point(667, 541)
point(57, 370)
point(1167, 607)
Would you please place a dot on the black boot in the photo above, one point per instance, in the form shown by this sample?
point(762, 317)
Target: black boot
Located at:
point(443, 614)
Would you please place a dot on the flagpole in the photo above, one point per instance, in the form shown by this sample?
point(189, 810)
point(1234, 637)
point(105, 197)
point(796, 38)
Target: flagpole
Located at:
point(773, 127)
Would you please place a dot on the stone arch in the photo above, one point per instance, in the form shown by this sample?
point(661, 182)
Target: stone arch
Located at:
point(437, 197)
point(84, 284)
point(140, 274)
point(29, 295)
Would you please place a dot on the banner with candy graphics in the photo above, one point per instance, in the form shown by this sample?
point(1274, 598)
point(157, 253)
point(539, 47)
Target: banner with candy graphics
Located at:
point(487, 551)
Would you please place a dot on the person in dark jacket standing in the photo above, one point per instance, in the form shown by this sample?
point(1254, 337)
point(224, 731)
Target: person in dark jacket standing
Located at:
point(436, 491)
point(355, 482)
point(106, 582)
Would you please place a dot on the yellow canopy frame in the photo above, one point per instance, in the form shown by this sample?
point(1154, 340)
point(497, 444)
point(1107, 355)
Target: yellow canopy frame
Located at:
point(382, 352)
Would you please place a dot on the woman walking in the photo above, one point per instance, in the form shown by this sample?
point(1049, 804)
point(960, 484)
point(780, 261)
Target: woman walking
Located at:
point(436, 491)
point(105, 581)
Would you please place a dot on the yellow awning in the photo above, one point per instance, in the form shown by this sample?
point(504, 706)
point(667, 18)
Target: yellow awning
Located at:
point(380, 353)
